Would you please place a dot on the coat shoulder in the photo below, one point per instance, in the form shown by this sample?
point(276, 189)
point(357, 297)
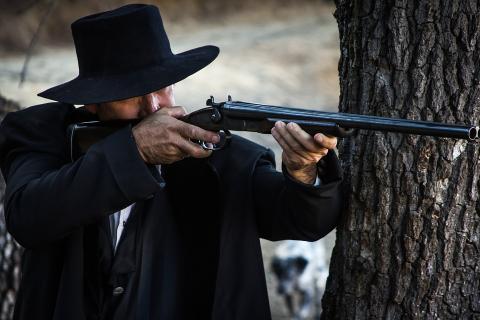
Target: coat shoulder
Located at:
point(47, 112)
point(40, 128)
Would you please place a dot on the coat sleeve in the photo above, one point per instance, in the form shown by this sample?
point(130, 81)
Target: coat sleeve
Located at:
point(46, 198)
point(288, 209)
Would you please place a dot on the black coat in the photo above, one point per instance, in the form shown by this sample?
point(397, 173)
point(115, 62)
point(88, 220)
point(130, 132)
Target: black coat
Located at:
point(191, 246)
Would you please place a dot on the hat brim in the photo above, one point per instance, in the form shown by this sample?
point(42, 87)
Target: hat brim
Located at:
point(88, 90)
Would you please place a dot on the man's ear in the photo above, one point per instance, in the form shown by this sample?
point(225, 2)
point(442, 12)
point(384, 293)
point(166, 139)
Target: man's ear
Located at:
point(93, 108)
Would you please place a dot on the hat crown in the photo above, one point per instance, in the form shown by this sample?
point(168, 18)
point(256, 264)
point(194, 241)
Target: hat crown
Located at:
point(125, 53)
point(129, 38)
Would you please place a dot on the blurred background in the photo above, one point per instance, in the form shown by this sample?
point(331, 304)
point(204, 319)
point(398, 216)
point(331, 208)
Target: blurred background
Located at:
point(280, 52)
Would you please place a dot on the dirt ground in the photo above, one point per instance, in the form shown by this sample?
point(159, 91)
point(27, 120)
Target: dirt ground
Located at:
point(289, 58)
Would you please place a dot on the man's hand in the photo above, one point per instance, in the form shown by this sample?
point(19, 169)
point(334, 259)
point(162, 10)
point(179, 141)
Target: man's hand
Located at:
point(163, 139)
point(301, 151)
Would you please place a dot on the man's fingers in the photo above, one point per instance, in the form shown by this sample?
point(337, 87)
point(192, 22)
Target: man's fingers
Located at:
point(325, 141)
point(301, 151)
point(302, 137)
point(193, 132)
point(192, 149)
point(310, 143)
point(281, 141)
point(300, 142)
point(287, 137)
point(303, 147)
point(175, 112)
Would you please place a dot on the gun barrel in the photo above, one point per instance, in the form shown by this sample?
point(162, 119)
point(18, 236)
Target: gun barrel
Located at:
point(239, 109)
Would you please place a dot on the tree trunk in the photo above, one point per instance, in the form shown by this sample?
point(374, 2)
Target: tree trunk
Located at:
point(408, 246)
point(10, 251)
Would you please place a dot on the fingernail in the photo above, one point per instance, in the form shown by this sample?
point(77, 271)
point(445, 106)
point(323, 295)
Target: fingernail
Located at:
point(319, 137)
point(216, 138)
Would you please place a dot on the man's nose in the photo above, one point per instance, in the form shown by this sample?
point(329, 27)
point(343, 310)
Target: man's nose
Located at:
point(157, 100)
point(151, 103)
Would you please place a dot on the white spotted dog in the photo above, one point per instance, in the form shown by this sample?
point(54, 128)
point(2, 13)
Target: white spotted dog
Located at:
point(301, 271)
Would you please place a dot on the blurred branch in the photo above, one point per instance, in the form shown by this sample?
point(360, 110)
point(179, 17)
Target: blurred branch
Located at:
point(33, 42)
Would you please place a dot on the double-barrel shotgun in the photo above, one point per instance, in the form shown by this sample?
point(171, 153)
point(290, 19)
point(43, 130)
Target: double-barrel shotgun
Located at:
point(227, 116)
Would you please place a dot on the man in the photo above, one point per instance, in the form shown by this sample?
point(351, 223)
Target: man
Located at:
point(147, 224)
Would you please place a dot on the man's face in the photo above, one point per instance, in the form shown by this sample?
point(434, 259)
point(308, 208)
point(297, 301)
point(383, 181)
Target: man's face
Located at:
point(136, 107)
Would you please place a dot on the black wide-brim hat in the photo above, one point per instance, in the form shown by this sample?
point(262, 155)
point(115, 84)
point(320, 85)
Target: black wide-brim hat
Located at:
point(125, 53)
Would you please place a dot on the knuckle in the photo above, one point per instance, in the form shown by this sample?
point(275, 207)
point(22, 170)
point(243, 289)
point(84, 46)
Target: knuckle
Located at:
point(171, 149)
point(177, 112)
point(174, 125)
point(200, 153)
point(170, 126)
point(191, 132)
point(167, 161)
point(332, 142)
point(312, 157)
point(206, 135)
point(162, 113)
point(305, 162)
point(169, 137)
point(196, 152)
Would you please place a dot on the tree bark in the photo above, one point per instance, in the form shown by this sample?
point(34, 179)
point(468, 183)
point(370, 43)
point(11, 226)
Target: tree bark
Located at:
point(408, 246)
point(10, 251)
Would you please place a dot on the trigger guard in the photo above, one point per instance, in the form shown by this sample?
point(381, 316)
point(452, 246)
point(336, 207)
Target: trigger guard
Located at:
point(225, 137)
